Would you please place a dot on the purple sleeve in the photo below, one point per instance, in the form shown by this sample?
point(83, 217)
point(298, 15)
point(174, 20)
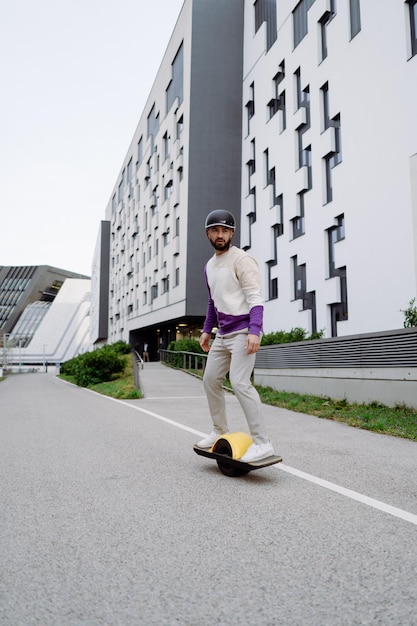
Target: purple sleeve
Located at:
point(256, 320)
point(211, 317)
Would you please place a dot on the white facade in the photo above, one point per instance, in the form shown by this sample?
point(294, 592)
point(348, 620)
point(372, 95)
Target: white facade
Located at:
point(318, 162)
point(183, 161)
point(357, 105)
point(140, 210)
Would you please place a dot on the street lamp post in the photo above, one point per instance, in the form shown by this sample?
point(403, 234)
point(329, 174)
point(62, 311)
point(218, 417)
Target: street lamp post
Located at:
point(5, 340)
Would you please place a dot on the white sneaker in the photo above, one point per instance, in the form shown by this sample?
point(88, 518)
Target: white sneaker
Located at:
point(257, 452)
point(209, 441)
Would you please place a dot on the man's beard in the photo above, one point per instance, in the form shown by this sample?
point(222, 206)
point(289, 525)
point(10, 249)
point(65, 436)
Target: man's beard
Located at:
point(222, 247)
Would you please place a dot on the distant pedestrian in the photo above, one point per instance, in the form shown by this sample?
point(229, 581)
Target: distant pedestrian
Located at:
point(145, 352)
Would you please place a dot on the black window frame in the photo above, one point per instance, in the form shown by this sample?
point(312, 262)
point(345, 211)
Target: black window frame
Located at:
point(412, 11)
point(355, 17)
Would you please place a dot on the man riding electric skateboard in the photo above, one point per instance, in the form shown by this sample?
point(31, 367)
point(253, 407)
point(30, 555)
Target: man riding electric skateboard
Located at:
point(235, 307)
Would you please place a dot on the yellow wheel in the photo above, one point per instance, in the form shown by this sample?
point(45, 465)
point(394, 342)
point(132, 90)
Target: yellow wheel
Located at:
point(222, 446)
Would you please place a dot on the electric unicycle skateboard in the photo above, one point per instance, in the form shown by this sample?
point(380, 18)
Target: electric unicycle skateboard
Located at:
point(227, 451)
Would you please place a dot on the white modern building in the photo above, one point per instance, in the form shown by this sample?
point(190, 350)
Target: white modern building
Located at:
point(329, 167)
point(299, 117)
point(59, 330)
point(183, 161)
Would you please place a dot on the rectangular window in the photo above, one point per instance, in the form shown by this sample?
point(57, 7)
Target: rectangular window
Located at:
point(339, 312)
point(180, 126)
point(252, 163)
point(412, 4)
point(300, 291)
point(154, 201)
point(250, 105)
point(267, 172)
point(300, 23)
point(140, 152)
point(278, 102)
point(129, 171)
point(153, 126)
point(168, 190)
point(324, 22)
point(166, 237)
point(298, 91)
point(148, 173)
point(355, 17)
point(329, 183)
point(121, 188)
point(300, 279)
point(167, 146)
point(298, 221)
point(175, 88)
point(273, 289)
point(325, 101)
point(266, 11)
point(283, 111)
point(331, 160)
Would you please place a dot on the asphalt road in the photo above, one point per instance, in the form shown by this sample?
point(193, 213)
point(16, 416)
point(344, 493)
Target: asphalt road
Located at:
point(108, 517)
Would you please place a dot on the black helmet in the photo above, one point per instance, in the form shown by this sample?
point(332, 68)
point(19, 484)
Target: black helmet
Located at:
point(220, 217)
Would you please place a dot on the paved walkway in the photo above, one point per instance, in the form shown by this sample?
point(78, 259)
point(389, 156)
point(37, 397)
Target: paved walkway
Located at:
point(107, 517)
point(158, 380)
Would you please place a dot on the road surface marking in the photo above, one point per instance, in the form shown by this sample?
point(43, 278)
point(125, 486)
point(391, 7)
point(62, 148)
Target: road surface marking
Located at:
point(354, 495)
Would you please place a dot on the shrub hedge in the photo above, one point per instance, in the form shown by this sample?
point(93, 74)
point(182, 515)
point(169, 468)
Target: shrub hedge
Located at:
point(98, 366)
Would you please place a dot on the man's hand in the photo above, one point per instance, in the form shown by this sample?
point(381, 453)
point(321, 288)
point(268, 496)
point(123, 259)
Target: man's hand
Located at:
point(252, 344)
point(205, 342)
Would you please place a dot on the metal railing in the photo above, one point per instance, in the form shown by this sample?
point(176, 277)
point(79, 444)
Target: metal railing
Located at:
point(190, 361)
point(137, 365)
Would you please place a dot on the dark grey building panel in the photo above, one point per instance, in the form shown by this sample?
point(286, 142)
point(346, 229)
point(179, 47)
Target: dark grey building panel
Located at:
point(103, 316)
point(215, 130)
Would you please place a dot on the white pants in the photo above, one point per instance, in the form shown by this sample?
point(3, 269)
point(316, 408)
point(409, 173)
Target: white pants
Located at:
point(228, 354)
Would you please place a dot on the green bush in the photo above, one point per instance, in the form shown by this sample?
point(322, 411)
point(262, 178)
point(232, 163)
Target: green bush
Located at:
point(182, 345)
point(97, 366)
point(185, 345)
point(121, 347)
point(410, 314)
point(282, 336)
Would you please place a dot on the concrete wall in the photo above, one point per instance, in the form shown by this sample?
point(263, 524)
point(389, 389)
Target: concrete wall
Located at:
point(390, 386)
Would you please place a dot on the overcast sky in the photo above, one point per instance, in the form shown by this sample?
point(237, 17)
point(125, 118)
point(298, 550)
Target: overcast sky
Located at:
point(75, 76)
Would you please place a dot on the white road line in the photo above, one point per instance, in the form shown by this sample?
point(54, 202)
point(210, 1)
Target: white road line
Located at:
point(354, 495)
point(348, 493)
point(152, 414)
